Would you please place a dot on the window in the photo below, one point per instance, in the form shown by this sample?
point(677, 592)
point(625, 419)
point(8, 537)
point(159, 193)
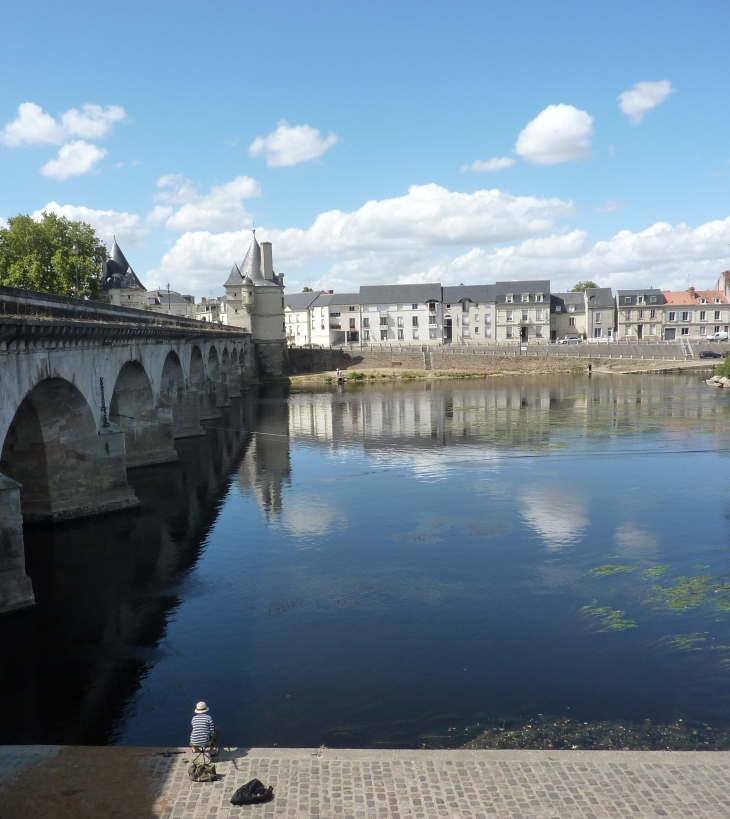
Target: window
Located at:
point(351, 308)
point(414, 320)
point(508, 298)
point(641, 299)
point(525, 297)
point(597, 319)
point(703, 301)
point(298, 330)
point(415, 333)
point(366, 322)
point(652, 329)
point(509, 332)
point(538, 331)
point(524, 315)
point(684, 331)
point(383, 321)
point(509, 315)
point(352, 324)
point(717, 315)
point(383, 335)
point(487, 318)
point(538, 315)
point(597, 332)
point(476, 331)
point(283, 323)
point(628, 329)
point(652, 299)
point(652, 314)
point(282, 303)
point(465, 307)
point(671, 316)
point(538, 297)
point(366, 335)
point(686, 315)
point(558, 308)
point(476, 318)
point(432, 332)
point(703, 315)
point(703, 331)
point(400, 321)
point(628, 315)
point(717, 328)
point(571, 321)
point(571, 308)
point(716, 301)
point(432, 319)
point(400, 334)
point(488, 332)
point(399, 307)
point(627, 299)
point(641, 314)
point(414, 307)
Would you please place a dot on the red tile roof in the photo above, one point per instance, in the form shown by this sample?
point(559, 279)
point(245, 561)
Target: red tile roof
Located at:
point(685, 297)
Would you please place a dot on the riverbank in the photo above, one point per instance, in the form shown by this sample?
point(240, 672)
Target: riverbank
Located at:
point(494, 366)
point(132, 783)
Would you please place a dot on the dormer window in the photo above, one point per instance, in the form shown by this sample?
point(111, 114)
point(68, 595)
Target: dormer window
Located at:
point(717, 301)
point(652, 299)
point(508, 298)
point(571, 308)
point(627, 299)
point(703, 301)
point(525, 297)
point(558, 308)
point(538, 297)
point(641, 299)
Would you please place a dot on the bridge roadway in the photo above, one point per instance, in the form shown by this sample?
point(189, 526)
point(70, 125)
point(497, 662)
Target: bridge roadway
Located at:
point(88, 391)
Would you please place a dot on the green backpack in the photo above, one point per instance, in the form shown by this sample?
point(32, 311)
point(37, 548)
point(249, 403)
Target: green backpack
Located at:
point(202, 772)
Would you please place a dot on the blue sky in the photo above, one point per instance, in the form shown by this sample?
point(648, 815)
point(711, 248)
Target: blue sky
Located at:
point(399, 101)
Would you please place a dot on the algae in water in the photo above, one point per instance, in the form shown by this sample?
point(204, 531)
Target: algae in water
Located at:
point(606, 618)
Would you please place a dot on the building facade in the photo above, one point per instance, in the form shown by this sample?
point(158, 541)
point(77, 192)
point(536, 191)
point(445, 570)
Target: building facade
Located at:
point(600, 310)
point(297, 311)
point(639, 314)
point(522, 311)
point(694, 314)
point(567, 315)
point(402, 313)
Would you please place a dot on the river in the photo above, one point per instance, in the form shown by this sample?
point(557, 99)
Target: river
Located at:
point(379, 565)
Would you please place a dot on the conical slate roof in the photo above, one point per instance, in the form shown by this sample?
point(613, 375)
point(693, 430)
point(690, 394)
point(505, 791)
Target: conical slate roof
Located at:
point(235, 277)
point(117, 272)
point(247, 281)
point(251, 266)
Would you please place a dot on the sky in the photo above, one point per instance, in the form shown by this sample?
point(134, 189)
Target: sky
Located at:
point(377, 143)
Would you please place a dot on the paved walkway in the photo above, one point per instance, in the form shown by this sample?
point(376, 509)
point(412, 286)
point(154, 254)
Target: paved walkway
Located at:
point(324, 784)
point(328, 784)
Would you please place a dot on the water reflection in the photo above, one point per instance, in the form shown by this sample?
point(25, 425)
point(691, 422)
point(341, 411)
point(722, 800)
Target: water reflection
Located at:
point(372, 565)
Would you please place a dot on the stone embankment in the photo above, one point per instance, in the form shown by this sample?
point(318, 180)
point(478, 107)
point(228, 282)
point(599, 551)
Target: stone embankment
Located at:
point(86, 783)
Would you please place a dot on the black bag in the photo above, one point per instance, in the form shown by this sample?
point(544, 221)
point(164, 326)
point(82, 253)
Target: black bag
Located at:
point(251, 793)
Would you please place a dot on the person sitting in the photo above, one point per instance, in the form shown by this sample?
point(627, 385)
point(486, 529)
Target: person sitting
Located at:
point(204, 734)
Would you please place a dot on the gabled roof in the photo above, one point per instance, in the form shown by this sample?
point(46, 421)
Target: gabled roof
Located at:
point(574, 300)
point(517, 288)
point(345, 298)
point(599, 297)
point(400, 293)
point(300, 301)
point(684, 297)
point(474, 292)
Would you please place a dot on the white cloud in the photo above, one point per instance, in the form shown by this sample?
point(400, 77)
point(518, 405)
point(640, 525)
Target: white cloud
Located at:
point(127, 227)
point(643, 97)
point(496, 163)
point(35, 126)
point(218, 210)
point(289, 145)
point(558, 517)
point(411, 226)
point(560, 133)
point(610, 206)
point(74, 158)
point(158, 214)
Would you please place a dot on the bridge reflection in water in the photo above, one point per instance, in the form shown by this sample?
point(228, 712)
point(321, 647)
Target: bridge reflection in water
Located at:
point(106, 586)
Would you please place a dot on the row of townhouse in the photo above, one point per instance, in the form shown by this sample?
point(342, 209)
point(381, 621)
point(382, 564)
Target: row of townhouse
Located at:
point(516, 311)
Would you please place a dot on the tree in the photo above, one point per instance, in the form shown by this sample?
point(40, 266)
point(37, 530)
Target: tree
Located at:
point(581, 287)
point(307, 290)
point(38, 255)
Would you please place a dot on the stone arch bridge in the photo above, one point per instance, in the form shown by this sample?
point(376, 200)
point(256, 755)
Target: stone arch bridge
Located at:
point(87, 392)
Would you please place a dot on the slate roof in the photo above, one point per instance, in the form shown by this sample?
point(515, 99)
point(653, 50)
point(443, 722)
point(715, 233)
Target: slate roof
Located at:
point(251, 265)
point(160, 297)
point(517, 288)
point(234, 279)
point(647, 293)
point(477, 293)
point(300, 301)
point(400, 293)
point(117, 272)
point(565, 300)
point(600, 297)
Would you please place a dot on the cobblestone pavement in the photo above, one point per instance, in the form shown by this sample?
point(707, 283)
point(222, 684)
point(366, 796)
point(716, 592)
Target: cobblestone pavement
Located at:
point(324, 784)
point(16, 758)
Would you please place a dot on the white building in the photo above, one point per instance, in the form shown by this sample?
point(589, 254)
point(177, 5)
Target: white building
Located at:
point(523, 311)
point(694, 314)
point(402, 313)
point(297, 317)
point(335, 319)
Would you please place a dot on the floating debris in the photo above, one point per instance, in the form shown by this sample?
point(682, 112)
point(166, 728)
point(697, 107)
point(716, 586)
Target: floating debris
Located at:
point(608, 619)
point(611, 568)
point(549, 733)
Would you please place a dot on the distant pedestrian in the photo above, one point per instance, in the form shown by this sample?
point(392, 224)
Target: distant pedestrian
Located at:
point(205, 734)
point(339, 373)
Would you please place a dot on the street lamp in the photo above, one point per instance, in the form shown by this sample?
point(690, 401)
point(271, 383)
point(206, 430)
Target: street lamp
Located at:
point(75, 251)
point(168, 298)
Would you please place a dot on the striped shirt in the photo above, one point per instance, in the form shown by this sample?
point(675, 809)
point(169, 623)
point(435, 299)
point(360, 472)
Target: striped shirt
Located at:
point(203, 728)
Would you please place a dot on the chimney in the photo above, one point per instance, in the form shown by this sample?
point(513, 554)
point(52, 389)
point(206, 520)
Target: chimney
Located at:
point(267, 264)
point(203, 300)
point(330, 292)
point(691, 292)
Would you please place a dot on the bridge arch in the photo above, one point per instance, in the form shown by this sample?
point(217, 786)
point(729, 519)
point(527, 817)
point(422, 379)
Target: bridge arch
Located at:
point(196, 374)
point(213, 368)
point(66, 465)
point(172, 380)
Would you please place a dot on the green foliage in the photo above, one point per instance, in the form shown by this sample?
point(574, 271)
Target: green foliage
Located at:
point(607, 619)
point(307, 290)
point(37, 255)
point(611, 568)
point(355, 376)
point(724, 368)
point(581, 287)
point(686, 593)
